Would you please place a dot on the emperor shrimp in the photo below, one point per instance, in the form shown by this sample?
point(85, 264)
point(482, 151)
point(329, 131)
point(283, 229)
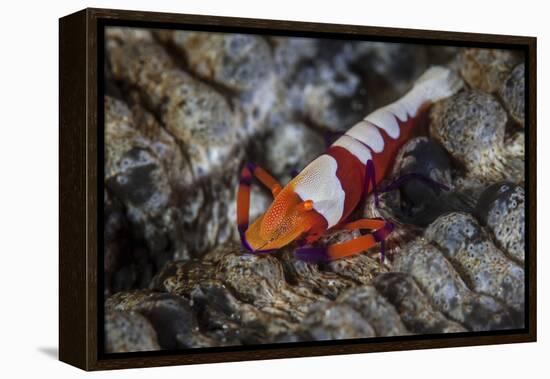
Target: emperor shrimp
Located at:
point(321, 198)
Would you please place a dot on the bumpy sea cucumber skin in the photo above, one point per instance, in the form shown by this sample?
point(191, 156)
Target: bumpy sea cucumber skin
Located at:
point(439, 280)
point(415, 309)
point(184, 111)
point(128, 332)
point(502, 209)
point(171, 316)
point(512, 93)
point(330, 321)
point(483, 266)
point(376, 309)
point(486, 69)
point(471, 126)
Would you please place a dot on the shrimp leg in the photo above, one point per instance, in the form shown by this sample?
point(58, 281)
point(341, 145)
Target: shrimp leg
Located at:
point(380, 231)
point(243, 194)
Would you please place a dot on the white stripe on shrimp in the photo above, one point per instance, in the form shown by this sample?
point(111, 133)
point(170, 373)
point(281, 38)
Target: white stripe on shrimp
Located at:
point(355, 147)
point(318, 182)
point(435, 84)
point(368, 134)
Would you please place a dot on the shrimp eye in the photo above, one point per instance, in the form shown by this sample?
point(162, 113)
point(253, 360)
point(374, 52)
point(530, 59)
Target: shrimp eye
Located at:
point(307, 205)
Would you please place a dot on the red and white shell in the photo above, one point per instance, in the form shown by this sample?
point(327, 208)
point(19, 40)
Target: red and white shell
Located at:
point(335, 181)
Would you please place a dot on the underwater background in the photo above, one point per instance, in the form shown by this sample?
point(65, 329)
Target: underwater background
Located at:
point(185, 110)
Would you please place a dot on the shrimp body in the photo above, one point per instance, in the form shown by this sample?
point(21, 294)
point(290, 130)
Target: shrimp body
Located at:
point(324, 194)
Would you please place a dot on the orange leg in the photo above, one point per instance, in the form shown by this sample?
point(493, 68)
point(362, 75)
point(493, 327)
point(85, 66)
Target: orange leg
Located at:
point(365, 223)
point(243, 194)
point(380, 231)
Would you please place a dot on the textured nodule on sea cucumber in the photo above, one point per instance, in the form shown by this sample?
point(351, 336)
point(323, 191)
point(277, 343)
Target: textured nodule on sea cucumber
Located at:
point(415, 309)
point(484, 267)
point(418, 201)
point(128, 332)
point(423, 155)
point(441, 282)
point(239, 66)
point(241, 62)
point(376, 309)
point(357, 310)
point(171, 316)
point(512, 93)
point(501, 207)
point(486, 69)
point(471, 126)
point(333, 321)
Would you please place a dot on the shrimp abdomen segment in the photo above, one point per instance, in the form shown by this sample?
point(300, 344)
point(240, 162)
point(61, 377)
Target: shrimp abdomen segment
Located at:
point(384, 131)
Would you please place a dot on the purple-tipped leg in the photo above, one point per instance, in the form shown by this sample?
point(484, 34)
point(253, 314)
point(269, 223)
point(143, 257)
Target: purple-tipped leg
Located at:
point(312, 254)
point(249, 171)
point(244, 242)
point(398, 182)
point(370, 178)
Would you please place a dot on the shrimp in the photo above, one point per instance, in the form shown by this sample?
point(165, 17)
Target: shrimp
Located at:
point(324, 194)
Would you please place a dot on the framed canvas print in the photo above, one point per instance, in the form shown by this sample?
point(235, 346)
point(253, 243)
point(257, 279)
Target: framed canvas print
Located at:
point(238, 189)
